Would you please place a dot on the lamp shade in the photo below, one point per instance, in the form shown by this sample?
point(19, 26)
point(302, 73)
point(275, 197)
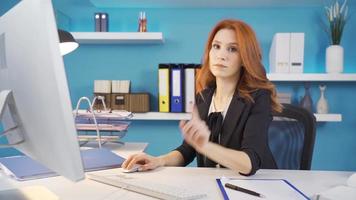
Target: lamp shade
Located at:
point(67, 42)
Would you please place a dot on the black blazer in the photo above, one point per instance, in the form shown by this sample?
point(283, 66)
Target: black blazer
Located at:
point(244, 128)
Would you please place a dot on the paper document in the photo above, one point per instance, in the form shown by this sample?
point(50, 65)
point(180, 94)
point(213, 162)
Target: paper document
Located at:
point(271, 189)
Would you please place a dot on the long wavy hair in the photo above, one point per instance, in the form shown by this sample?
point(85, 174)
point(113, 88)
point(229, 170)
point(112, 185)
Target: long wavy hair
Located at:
point(252, 74)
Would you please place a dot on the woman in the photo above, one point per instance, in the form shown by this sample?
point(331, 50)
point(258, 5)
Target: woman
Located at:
point(233, 108)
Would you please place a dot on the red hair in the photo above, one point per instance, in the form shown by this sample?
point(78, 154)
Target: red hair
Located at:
point(252, 75)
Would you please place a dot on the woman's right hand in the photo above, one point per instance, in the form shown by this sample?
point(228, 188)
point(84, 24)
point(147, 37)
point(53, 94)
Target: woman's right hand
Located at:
point(146, 161)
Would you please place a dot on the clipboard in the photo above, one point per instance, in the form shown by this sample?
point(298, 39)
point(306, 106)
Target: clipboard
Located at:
point(276, 189)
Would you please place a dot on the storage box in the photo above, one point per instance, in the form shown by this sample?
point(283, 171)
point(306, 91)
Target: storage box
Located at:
point(287, 53)
point(133, 102)
point(120, 101)
point(98, 105)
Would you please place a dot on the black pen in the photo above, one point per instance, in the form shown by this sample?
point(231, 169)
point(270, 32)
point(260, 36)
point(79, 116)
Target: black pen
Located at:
point(240, 189)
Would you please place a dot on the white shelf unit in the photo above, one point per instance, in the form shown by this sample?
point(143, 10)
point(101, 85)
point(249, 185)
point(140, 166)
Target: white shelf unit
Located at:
point(315, 77)
point(118, 37)
point(161, 116)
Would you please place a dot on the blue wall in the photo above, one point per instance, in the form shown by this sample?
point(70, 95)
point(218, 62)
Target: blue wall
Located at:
point(185, 32)
point(5, 5)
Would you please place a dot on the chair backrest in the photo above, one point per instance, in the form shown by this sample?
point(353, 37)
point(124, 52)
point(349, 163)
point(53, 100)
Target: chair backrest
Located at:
point(291, 137)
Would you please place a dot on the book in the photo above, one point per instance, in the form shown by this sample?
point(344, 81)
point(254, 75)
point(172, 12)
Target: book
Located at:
point(274, 189)
point(25, 168)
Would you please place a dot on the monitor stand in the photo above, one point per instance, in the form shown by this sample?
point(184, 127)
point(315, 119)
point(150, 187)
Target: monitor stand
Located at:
point(9, 115)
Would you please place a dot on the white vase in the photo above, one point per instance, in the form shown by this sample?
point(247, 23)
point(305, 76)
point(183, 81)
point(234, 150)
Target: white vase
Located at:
point(334, 59)
point(322, 105)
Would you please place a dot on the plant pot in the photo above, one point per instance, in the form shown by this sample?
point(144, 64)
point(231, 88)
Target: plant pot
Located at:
point(335, 59)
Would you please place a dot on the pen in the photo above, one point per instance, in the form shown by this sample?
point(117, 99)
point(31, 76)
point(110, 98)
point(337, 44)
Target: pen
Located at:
point(240, 189)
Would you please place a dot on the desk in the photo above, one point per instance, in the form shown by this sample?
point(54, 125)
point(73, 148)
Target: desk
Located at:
point(123, 150)
point(200, 179)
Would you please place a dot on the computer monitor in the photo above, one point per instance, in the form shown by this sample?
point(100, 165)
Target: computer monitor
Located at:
point(33, 73)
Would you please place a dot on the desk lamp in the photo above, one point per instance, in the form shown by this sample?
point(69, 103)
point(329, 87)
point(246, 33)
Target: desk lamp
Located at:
point(67, 42)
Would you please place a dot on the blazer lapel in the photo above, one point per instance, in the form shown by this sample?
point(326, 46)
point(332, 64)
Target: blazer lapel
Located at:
point(233, 115)
point(204, 103)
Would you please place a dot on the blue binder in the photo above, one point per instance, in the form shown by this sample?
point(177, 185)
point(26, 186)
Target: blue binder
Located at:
point(177, 88)
point(24, 168)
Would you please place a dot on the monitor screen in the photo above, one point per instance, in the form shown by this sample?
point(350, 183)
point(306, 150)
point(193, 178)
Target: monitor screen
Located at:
point(33, 73)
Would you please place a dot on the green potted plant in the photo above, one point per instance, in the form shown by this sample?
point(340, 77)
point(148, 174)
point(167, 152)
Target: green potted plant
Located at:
point(336, 18)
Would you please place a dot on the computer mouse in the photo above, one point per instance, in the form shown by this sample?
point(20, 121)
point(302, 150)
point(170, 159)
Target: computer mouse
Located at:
point(351, 181)
point(135, 168)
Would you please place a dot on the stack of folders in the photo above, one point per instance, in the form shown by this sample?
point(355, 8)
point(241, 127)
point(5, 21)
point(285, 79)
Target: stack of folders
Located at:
point(24, 168)
point(176, 87)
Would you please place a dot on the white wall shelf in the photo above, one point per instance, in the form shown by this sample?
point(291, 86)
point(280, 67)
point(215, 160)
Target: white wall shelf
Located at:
point(312, 77)
point(187, 116)
point(203, 3)
point(328, 117)
point(161, 116)
point(118, 37)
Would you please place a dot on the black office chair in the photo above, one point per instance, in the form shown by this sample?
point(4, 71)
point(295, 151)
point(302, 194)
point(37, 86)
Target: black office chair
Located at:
point(291, 137)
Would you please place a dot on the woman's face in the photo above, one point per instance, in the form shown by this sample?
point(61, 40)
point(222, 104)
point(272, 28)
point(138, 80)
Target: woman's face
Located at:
point(224, 57)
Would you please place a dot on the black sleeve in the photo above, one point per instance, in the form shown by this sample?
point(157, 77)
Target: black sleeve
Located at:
point(255, 140)
point(187, 151)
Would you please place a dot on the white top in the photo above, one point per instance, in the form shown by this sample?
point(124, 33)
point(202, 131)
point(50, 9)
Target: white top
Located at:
point(197, 179)
point(213, 109)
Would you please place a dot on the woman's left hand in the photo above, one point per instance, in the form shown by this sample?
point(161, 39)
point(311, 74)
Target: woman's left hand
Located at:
point(195, 131)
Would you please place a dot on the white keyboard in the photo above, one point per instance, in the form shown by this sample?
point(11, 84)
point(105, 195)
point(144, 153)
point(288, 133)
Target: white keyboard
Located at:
point(156, 190)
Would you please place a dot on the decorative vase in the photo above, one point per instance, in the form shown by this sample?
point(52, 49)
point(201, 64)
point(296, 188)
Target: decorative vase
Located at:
point(334, 59)
point(322, 105)
point(307, 101)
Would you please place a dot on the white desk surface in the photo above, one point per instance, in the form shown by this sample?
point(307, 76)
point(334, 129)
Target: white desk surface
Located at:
point(123, 150)
point(199, 179)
